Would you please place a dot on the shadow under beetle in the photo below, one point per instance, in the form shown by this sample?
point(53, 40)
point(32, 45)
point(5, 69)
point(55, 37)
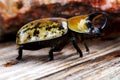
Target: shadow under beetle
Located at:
point(56, 33)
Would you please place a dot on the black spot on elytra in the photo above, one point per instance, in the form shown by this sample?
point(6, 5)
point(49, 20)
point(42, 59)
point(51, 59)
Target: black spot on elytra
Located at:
point(37, 25)
point(26, 26)
point(48, 28)
point(31, 23)
point(36, 32)
point(54, 26)
point(45, 36)
point(60, 28)
point(63, 32)
point(28, 37)
point(27, 30)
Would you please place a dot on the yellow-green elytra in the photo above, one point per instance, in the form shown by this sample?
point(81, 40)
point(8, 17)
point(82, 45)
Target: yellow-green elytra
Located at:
point(43, 29)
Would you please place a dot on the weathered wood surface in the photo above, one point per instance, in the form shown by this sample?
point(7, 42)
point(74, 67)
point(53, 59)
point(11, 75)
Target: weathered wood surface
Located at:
point(102, 63)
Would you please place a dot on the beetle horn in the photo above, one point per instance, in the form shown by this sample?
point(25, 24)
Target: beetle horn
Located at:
point(91, 18)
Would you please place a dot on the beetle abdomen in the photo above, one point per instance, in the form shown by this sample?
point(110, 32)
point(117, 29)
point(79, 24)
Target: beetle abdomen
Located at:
point(58, 42)
point(43, 29)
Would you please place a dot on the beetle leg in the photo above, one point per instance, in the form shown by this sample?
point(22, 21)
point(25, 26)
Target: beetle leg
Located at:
point(74, 42)
point(19, 54)
point(87, 49)
point(86, 46)
point(51, 53)
point(56, 48)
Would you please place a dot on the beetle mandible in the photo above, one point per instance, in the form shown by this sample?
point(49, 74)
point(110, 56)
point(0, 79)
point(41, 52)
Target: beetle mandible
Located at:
point(56, 33)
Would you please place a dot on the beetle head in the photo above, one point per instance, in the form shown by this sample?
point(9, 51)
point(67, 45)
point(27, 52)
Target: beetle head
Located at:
point(84, 23)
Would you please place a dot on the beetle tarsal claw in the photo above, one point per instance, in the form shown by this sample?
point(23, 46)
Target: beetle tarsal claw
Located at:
point(50, 59)
point(18, 58)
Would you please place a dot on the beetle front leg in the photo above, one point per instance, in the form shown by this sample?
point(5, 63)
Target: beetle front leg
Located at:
point(19, 53)
point(74, 42)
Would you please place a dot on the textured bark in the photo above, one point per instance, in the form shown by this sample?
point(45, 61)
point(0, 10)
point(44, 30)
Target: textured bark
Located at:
point(18, 13)
point(102, 63)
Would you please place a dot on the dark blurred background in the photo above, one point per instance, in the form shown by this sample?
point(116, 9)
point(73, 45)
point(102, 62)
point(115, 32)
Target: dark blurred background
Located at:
point(15, 13)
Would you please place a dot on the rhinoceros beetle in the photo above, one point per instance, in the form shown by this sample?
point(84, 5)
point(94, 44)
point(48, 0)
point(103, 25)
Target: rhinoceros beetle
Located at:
point(56, 33)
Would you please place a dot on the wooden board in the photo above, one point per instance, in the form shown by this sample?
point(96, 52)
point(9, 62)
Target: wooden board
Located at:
point(102, 63)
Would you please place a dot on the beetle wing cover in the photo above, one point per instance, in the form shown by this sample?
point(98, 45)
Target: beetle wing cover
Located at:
point(43, 29)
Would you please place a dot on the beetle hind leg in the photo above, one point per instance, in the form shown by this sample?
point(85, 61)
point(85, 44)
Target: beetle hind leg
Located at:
point(19, 53)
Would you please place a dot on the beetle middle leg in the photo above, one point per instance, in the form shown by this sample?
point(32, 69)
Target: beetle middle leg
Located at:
point(51, 53)
point(19, 53)
point(55, 49)
point(74, 42)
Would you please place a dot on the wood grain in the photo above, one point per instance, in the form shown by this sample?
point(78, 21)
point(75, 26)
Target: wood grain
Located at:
point(102, 63)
